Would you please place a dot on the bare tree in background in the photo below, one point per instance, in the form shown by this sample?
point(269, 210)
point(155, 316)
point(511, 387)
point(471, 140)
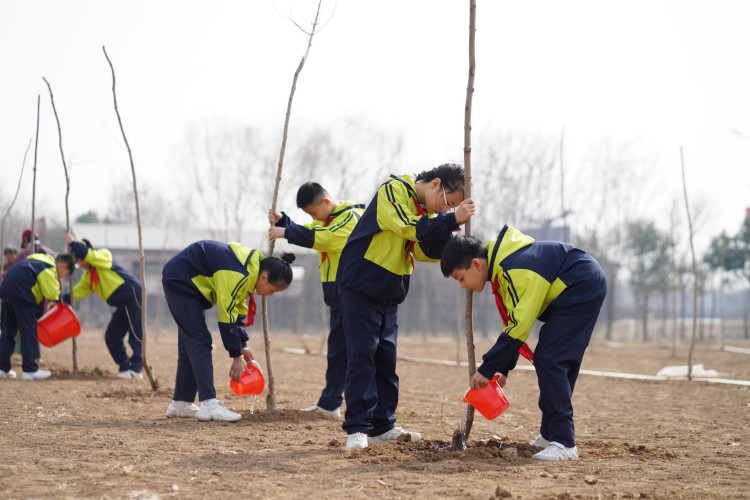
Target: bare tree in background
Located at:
point(15, 197)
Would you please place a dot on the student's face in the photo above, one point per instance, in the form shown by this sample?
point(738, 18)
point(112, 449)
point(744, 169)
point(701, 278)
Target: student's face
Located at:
point(321, 211)
point(474, 278)
point(438, 199)
point(10, 258)
point(265, 287)
point(82, 264)
point(62, 271)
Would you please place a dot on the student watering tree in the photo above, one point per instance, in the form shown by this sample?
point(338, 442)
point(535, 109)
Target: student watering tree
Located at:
point(119, 289)
point(225, 275)
point(558, 284)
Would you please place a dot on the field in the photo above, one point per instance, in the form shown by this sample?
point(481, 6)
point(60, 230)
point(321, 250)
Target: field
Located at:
point(95, 436)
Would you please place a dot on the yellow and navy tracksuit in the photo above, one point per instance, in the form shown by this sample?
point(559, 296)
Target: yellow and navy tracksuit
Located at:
point(119, 289)
point(203, 275)
point(373, 279)
point(329, 238)
point(563, 287)
point(25, 285)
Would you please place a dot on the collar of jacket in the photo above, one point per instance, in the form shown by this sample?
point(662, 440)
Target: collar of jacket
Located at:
point(508, 241)
point(345, 206)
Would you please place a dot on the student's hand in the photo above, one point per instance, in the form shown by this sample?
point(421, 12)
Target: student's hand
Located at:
point(501, 380)
point(239, 364)
point(275, 233)
point(465, 210)
point(479, 381)
point(273, 217)
point(69, 238)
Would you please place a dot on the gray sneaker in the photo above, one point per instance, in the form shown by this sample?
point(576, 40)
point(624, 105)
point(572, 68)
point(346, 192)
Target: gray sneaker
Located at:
point(217, 411)
point(395, 434)
point(556, 452)
point(37, 375)
point(8, 374)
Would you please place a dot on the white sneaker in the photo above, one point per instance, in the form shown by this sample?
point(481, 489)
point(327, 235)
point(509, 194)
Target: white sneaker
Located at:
point(216, 411)
point(556, 452)
point(129, 374)
point(181, 409)
point(393, 435)
point(37, 375)
point(540, 442)
point(331, 413)
point(8, 374)
point(357, 440)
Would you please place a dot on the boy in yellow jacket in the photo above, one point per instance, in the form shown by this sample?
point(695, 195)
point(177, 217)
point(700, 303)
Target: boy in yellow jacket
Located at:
point(558, 284)
point(26, 284)
point(333, 222)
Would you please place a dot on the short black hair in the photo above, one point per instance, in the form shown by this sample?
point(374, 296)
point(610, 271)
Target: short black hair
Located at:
point(9, 249)
point(279, 270)
point(67, 259)
point(310, 193)
point(459, 252)
point(451, 176)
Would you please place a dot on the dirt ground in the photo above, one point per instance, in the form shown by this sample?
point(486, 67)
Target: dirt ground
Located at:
point(95, 436)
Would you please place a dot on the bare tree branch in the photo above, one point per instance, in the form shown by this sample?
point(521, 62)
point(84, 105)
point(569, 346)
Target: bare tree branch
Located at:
point(154, 383)
point(15, 196)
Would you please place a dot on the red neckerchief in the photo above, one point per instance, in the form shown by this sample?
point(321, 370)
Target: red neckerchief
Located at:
point(325, 254)
point(410, 246)
point(93, 278)
point(525, 350)
point(251, 308)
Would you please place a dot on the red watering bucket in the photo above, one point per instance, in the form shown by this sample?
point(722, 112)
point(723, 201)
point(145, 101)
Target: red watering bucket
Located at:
point(57, 324)
point(490, 401)
point(251, 381)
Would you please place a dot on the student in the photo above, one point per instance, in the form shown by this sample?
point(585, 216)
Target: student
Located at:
point(332, 224)
point(9, 253)
point(203, 275)
point(27, 248)
point(119, 289)
point(373, 278)
point(556, 283)
point(26, 284)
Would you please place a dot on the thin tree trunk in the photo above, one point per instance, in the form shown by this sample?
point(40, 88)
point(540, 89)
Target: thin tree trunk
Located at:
point(695, 270)
point(565, 236)
point(67, 217)
point(271, 397)
point(458, 326)
point(151, 378)
point(462, 433)
point(33, 184)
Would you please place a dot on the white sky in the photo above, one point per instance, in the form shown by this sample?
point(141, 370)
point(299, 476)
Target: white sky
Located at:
point(672, 73)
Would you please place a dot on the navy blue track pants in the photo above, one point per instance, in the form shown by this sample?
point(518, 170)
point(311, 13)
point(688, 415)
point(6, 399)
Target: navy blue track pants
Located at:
point(331, 396)
point(18, 316)
point(114, 335)
point(195, 369)
point(371, 391)
point(557, 359)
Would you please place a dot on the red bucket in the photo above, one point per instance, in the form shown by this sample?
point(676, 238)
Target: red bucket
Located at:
point(57, 324)
point(251, 381)
point(489, 401)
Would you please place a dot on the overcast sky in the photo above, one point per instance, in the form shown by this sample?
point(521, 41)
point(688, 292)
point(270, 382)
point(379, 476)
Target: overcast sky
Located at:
point(671, 73)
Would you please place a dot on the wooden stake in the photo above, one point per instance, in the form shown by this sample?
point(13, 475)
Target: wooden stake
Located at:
point(151, 378)
point(33, 183)
point(462, 433)
point(67, 218)
point(271, 397)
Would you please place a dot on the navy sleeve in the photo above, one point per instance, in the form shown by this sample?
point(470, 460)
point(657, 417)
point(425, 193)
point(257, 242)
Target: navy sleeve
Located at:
point(502, 357)
point(436, 229)
point(299, 235)
point(284, 221)
point(234, 337)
